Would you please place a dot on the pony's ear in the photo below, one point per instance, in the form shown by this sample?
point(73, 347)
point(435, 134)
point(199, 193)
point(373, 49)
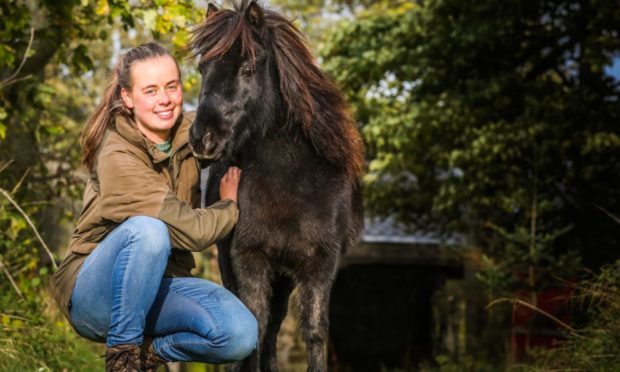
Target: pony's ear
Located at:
point(254, 14)
point(211, 10)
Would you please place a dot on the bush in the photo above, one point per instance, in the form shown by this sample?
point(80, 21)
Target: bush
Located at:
point(596, 347)
point(33, 335)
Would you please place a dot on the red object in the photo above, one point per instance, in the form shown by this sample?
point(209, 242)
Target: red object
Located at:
point(531, 329)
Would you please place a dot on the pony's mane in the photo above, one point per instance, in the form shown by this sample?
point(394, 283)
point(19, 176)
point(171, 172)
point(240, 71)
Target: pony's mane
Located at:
point(311, 98)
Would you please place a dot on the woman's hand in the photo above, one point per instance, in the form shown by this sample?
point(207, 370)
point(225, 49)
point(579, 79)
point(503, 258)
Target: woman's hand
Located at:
point(230, 183)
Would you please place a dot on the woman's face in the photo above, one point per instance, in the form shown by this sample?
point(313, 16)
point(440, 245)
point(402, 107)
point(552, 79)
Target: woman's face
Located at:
point(156, 97)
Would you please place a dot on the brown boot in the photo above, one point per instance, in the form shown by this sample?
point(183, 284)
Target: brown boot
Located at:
point(150, 360)
point(123, 358)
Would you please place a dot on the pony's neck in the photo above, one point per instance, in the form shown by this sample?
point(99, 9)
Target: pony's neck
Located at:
point(280, 143)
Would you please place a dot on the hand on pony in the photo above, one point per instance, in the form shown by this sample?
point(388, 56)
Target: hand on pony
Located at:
point(230, 184)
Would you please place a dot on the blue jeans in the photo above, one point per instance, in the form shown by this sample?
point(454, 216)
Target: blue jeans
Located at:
point(120, 296)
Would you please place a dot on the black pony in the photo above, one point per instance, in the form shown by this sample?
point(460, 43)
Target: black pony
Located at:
point(266, 107)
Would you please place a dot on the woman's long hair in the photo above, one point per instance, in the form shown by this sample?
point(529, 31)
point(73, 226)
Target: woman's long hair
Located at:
point(112, 104)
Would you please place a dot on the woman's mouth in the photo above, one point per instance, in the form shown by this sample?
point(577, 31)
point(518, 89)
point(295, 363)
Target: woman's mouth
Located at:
point(165, 115)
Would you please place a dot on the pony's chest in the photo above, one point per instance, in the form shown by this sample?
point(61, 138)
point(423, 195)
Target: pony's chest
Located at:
point(277, 216)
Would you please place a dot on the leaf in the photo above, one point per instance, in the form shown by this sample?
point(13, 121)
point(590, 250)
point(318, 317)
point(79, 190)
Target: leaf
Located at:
point(35, 282)
point(150, 19)
point(180, 38)
point(54, 130)
point(103, 7)
point(81, 60)
point(16, 226)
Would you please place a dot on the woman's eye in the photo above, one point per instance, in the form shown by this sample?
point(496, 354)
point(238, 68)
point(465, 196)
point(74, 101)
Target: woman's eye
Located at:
point(172, 88)
point(149, 92)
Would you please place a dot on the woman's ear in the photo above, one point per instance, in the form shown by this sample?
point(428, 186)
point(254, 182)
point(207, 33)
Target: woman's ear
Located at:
point(126, 98)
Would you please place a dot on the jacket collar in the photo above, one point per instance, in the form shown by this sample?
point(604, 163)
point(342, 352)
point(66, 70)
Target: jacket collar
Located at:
point(127, 129)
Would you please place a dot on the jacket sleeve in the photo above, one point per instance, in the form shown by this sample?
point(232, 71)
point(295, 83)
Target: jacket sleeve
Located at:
point(129, 187)
point(197, 229)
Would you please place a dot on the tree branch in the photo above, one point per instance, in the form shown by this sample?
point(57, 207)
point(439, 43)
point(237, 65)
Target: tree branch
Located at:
point(516, 301)
point(29, 221)
point(6, 165)
point(609, 214)
point(13, 78)
point(8, 274)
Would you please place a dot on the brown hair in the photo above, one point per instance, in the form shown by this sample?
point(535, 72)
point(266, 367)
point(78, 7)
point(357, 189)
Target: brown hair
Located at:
point(311, 98)
point(112, 104)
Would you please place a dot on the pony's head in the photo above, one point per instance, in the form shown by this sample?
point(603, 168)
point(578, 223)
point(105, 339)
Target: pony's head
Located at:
point(257, 73)
point(238, 97)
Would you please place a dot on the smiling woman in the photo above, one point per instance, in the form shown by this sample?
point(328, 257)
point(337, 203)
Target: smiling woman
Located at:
point(155, 97)
point(126, 280)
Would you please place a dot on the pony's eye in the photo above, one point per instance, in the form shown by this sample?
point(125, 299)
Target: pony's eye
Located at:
point(246, 71)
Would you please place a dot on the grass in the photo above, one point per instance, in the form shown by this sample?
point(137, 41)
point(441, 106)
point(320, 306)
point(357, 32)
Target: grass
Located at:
point(596, 345)
point(34, 337)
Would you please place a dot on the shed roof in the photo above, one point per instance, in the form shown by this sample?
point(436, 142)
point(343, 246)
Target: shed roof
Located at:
point(388, 230)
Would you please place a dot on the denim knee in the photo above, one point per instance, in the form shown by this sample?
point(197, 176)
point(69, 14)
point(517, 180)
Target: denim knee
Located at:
point(239, 338)
point(151, 234)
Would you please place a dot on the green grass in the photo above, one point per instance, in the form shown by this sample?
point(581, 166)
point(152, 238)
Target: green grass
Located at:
point(596, 346)
point(34, 337)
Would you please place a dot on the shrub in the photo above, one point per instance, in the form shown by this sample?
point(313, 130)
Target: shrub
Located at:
point(596, 347)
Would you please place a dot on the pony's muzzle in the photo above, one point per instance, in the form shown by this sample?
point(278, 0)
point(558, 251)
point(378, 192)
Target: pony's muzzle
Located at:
point(203, 146)
point(209, 147)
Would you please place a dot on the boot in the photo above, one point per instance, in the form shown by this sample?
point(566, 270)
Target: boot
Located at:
point(150, 360)
point(123, 358)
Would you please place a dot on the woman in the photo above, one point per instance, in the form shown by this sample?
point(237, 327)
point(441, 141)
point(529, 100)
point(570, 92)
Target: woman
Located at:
point(126, 280)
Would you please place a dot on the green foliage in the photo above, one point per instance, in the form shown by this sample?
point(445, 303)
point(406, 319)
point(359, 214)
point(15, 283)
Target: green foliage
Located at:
point(68, 43)
point(32, 335)
point(478, 115)
point(31, 341)
point(55, 59)
point(447, 93)
point(596, 347)
point(492, 120)
point(520, 262)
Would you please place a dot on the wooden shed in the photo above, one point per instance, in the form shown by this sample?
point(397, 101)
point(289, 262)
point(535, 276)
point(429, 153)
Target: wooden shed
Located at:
point(381, 314)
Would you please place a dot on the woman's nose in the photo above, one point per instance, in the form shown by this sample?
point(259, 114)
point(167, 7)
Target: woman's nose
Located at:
point(164, 98)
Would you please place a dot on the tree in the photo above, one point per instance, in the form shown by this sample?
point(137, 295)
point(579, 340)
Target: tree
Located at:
point(68, 41)
point(491, 120)
point(490, 113)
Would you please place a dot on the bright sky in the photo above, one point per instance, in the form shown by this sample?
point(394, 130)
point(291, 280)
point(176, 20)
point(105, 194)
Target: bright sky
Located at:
point(614, 69)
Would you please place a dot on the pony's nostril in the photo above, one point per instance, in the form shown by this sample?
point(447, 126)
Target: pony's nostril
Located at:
point(208, 142)
point(207, 139)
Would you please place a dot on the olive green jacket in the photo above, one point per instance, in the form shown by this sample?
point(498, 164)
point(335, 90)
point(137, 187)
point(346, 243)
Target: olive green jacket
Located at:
point(131, 177)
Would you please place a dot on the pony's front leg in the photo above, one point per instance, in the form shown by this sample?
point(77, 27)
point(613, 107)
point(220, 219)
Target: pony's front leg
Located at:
point(282, 288)
point(253, 276)
point(314, 316)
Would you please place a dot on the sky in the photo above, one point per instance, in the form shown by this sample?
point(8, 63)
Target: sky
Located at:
point(614, 69)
